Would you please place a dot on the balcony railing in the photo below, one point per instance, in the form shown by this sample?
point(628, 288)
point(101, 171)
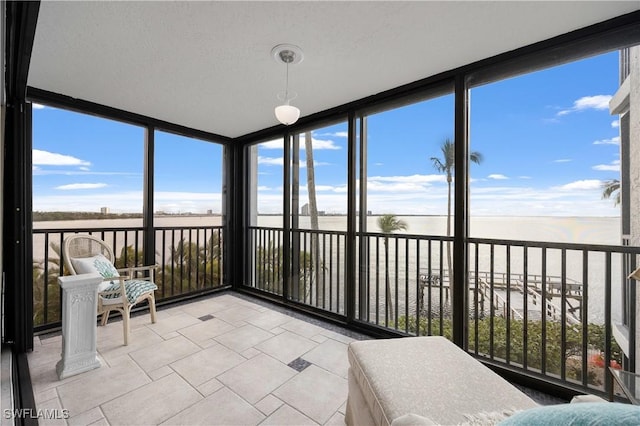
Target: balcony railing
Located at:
point(317, 266)
point(542, 309)
point(190, 260)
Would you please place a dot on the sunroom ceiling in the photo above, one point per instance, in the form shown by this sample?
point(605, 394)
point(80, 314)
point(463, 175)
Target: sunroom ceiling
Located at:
point(207, 65)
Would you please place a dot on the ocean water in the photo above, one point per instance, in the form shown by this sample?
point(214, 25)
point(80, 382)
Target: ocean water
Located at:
point(581, 230)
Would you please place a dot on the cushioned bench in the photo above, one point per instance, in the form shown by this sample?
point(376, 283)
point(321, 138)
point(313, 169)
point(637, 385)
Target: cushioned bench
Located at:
point(429, 377)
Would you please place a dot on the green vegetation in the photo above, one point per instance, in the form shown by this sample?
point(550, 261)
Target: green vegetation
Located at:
point(446, 165)
point(388, 224)
point(572, 356)
point(270, 273)
point(611, 189)
point(190, 267)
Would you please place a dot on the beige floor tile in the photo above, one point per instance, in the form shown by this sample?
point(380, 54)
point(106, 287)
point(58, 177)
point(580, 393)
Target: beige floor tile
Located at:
point(336, 420)
point(86, 418)
point(101, 422)
point(206, 364)
point(164, 353)
point(302, 328)
point(205, 330)
point(45, 377)
point(243, 338)
point(100, 385)
point(160, 372)
point(257, 377)
point(198, 309)
point(236, 313)
point(330, 355)
point(286, 347)
point(221, 408)
point(112, 348)
point(314, 392)
point(268, 404)
point(209, 387)
point(171, 335)
point(217, 305)
point(153, 403)
point(250, 353)
point(268, 320)
point(49, 340)
point(173, 323)
point(319, 338)
point(45, 395)
point(285, 415)
point(45, 355)
point(52, 413)
point(337, 336)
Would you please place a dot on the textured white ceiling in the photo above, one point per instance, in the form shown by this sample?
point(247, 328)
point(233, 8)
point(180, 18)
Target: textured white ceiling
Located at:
point(207, 65)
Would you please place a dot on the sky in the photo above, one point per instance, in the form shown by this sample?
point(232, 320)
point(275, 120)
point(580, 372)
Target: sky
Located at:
point(546, 138)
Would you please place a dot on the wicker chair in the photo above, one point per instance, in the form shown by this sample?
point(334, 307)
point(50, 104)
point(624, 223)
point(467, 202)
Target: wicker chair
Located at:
point(85, 254)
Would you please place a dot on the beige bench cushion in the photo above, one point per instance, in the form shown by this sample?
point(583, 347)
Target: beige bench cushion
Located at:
point(430, 377)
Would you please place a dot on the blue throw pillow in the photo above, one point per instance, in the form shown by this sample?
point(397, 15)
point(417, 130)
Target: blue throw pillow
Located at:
point(579, 414)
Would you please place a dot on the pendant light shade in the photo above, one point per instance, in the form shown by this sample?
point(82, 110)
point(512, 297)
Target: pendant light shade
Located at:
point(288, 54)
point(287, 114)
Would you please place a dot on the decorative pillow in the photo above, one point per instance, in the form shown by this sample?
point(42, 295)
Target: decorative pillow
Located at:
point(587, 413)
point(99, 264)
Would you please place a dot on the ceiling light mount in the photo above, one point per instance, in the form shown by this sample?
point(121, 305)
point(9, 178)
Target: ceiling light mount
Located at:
point(288, 54)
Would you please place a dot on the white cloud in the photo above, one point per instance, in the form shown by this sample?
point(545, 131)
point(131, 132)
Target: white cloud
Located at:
point(317, 144)
point(597, 102)
point(497, 176)
point(614, 166)
point(409, 179)
point(615, 123)
point(274, 144)
point(271, 161)
point(264, 188)
point(562, 160)
point(613, 141)
point(579, 185)
point(37, 106)
point(73, 186)
point(46, 158)
point(344, 134)
point(524, 177)
point(378, 164)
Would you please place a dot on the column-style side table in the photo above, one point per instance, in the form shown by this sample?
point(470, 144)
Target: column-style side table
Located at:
point(79, 324)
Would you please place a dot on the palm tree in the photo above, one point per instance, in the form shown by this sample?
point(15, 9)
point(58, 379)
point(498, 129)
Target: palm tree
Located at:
point(313, 212)
point(609, 188)
point(388, 224)
point(446, 165)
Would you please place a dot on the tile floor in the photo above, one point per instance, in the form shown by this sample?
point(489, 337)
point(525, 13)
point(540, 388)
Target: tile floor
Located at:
point(222, 360)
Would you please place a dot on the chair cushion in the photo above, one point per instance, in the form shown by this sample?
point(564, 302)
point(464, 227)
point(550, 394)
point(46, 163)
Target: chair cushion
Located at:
point(133, 289)
point(99, 264)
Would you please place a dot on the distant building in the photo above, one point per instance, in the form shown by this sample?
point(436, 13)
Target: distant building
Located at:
point(304, 210)
point(209, 211)
point(104, 210)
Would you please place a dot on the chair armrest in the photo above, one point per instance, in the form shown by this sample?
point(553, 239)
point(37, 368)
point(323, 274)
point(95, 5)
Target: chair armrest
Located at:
point(131, 271)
